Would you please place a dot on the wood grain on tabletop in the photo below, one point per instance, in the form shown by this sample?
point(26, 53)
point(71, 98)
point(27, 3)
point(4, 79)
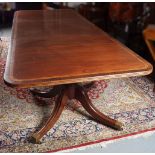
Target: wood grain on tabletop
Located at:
point(60, 46)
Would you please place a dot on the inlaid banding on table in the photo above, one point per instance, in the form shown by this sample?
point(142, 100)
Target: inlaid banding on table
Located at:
point(59, 81)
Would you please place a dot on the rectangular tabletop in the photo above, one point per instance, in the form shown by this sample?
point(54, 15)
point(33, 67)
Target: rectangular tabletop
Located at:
point(60, 47)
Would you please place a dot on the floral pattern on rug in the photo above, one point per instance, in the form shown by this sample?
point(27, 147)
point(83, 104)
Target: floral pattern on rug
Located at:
point(129, 100)
point(146, 85)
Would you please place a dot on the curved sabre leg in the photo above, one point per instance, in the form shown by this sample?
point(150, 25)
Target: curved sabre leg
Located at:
point(59, 106)
point(81, 95)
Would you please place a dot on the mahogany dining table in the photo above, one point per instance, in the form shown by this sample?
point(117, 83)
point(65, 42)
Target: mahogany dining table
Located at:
point(61, 49)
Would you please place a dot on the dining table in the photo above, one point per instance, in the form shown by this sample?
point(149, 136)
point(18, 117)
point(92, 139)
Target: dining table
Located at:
point(65, 52)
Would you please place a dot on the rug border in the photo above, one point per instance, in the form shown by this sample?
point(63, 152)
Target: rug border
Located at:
point(99, 141)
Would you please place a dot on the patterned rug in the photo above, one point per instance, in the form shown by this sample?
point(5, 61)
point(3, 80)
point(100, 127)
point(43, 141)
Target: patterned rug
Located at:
point(129, 100)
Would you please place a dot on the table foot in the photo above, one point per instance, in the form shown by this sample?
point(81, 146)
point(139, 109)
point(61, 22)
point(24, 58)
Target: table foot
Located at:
point(35, 139)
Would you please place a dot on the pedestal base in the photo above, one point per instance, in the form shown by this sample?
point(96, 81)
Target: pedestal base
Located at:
point(68, 92)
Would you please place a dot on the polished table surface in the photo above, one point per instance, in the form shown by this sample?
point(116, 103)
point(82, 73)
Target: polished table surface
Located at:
point(60, 47)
